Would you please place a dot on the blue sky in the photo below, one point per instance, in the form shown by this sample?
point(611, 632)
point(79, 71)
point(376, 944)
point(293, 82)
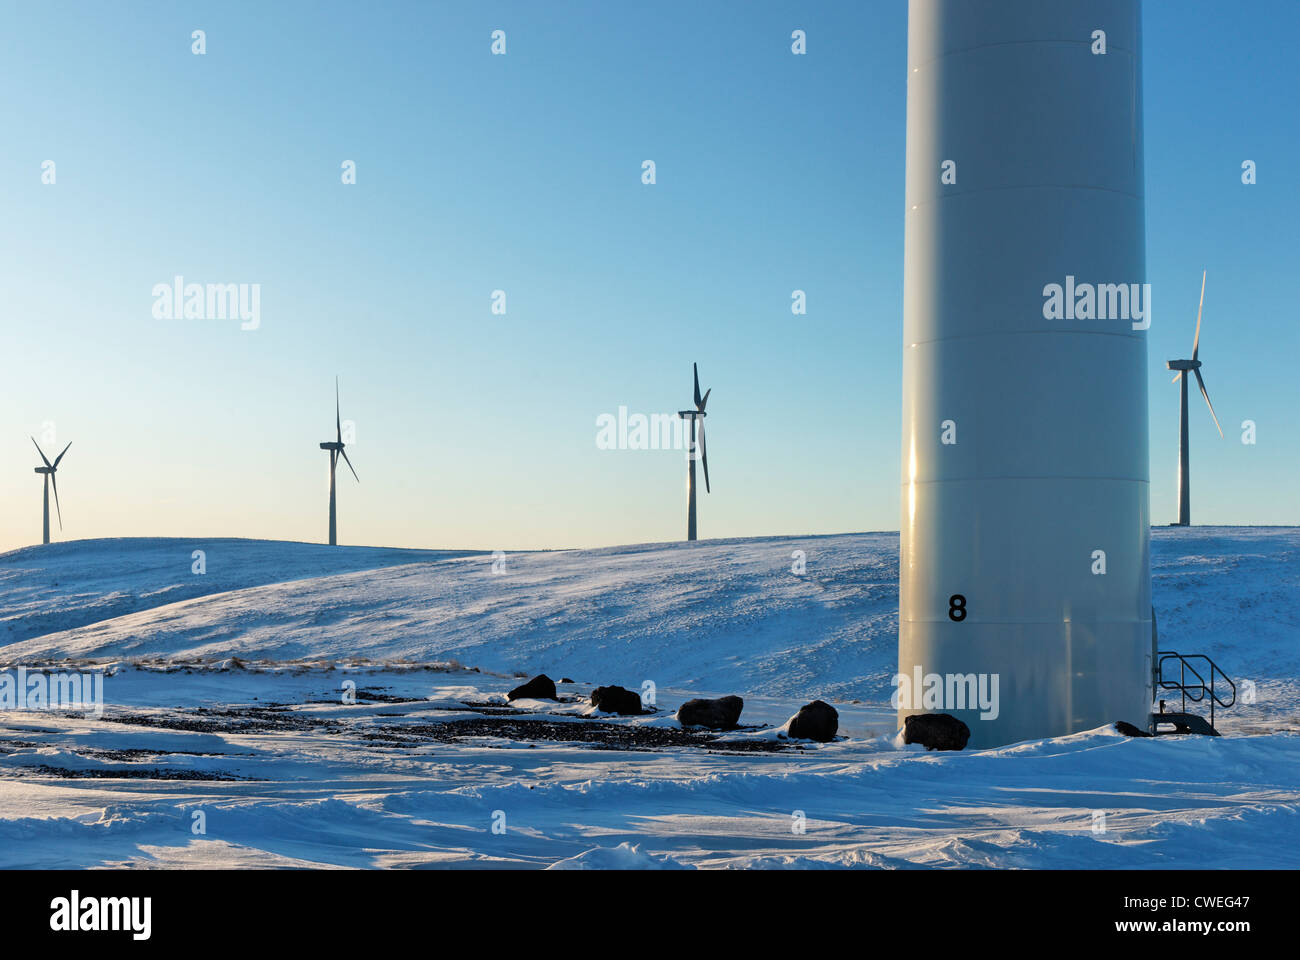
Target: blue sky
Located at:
point(523, 173)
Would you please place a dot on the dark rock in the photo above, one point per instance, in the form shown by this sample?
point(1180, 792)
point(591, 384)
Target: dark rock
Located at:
point(719, 714)
point(936, 731)
point(617, 700)
point(540, 687)
point(815, 721)
point(1126, 728)
point(566, 680)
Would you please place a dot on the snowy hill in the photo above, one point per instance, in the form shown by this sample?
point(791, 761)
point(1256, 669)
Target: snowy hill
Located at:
point(713, 614)
point(59, 586)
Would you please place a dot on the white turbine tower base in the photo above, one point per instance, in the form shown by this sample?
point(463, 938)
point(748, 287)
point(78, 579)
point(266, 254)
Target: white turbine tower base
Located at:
point(1024, 438)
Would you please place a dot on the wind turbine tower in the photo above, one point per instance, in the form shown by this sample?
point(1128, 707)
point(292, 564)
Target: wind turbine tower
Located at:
point(1182, 366)
point(335, 447)
point(695, 450)
point(1025, 555)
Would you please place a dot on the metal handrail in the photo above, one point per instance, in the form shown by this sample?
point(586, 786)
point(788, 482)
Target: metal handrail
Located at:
point(1183, 667)
point(1198, 691)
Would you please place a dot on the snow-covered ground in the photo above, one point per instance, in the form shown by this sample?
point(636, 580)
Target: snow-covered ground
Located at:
point(229, 737)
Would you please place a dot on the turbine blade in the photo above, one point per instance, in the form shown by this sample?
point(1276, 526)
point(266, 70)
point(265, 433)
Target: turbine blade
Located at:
point(338, 423)
point(1177, 376)
point(40, 451)
point(54, 480)
point(349, 462)
point(704, 401)
point(60, 456)
point(1196, 342)
point(1206, 395)
point(696, 368)
point(704, 456)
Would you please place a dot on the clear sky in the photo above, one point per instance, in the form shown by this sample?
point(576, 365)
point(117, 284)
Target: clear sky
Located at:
point(523, 173)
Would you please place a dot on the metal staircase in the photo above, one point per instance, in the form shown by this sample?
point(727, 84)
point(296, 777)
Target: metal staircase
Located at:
point(1194, 688)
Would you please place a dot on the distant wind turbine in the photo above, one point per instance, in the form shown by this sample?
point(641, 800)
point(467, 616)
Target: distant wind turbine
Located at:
point(692, 418)
point(50, 478)
point(1182, 366)
point(335, 447)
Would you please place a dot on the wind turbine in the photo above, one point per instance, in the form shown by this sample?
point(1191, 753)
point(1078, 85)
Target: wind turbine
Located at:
point(49, 470)
point(335, 447)
point(693, 417)
point(1182, 366)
